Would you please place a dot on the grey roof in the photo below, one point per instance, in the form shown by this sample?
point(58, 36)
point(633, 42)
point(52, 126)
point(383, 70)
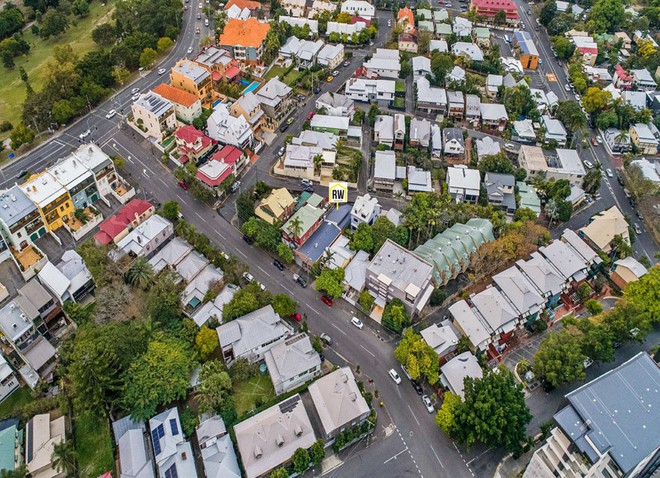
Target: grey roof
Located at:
point(14, 205)
point(291, 358)
point(487, 147)
point(338, 400)
point(192, 71)
point(519, 290)
point(191, 265)
point(210, 427)
point(317, 139)
point(443, 338)
point(215, 307)
point(133, 458)
point(154, 103)
point(39, 353)
point(213, 55)
point(252, 330)
point(385, 165)
point(458, 369)
point(509, 81)
point(356, 271)
point(547, 279)
point(618, 412)
point(496, 309)
point(449, 134)
point(32, 297)
point(273, 92)
point(323, 237)
point(334, 100)
point(420, 130)
point(171, 254)
point(121, 426)
point(564, 258)
point(501, 185)
point(401, 266)
point(220, 460)
point(419, 180)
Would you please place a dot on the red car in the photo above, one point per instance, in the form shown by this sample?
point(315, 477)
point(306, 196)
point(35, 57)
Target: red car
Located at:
point(183, 185)
point(310, 115)
point(326, 300)
point(296, 316)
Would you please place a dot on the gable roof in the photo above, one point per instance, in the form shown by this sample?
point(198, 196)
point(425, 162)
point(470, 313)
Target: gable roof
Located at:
point(246, 33)
point(175, 95)
point(604, 226)
point(133, 458)
point(458, 369)
point(291, 358)
point(519, 290)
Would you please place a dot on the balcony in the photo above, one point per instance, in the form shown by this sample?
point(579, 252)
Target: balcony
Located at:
point(82, 222)
point(122, 191)
point(29, 260)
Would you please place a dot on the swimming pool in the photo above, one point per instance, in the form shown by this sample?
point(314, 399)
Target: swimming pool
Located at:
point(251, 87)
point(244, 82)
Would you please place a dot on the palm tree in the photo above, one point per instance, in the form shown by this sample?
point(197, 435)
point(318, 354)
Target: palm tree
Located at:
point(140, 274)
point(64, 458)
point(296, 228)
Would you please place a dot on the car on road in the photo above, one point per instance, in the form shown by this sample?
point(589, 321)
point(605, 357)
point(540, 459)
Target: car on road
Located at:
point(199, 17)
point(296, 316)
point(310, 115)
point(509, 146)
point(182, 185)
point(235, 186)
point(329, 79)
point(638, 230)
point(317, 90)
point(111, 114)
point(427, 403)
point(190, 50)
point(135, 97)
point(84, 134)
point(284, 127)
point(248, 277)
point(206, 22)
point(335, 73)
point(261, 286)
point(326, 338)
point(306, 182)
point(594, 142)
point(281, 151)
point(417, 387)
point(326, 300)
point(162, 71)
point(290, 120)
point(609, 173)
point(135, 90)
point(394, 376)
point(248, 239)
point(599, 139)
point(389, 23)
point(588, 164)
point(278, 264)
point(357, 322)
point(197, 31)
point(200, 5)
point(346, 63)
point(300, 280)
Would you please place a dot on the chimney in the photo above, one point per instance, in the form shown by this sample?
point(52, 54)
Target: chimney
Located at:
point(183, 456)
point(297, 430)
point(257, 452)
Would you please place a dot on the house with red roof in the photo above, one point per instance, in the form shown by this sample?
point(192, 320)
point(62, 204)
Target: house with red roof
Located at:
point(192, 144)
point(219, 63)
point(229, 160)
point(405, 18)
point(232, 156)
point(187, 106)
point(490, 8)
point(355, 19)
point(115, 228)
point(587, 48)
point(622, 79)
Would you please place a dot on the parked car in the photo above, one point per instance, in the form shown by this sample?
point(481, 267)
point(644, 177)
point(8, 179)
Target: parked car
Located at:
point(296, 316)
point(278, 264)
point(306, 182)
point(161, 71)
point(284, 127)
point(310, 115)
point(609, 173)
point(235, 186)
point(335, 73)
point(317, 90)
point(84, 134)
point(599, 139)
point(638, 230)
point(588, 164)
point(248, 239)
point(405, 372)
point(329, 79)
point(111, 114)
point(394, 376)
point(326, 338)
point(594, 142)
point(135, 97)
point(389, 23)
point(309, 189)
point(346, 63)
point(300, 280)
point(547, 386)
point(248, 277)
point(357, 322)
point(326, 300)
point(135, 90)
point(189, 50)
point(417, 387)
point(182, 185)
point(427, 403)
point(290, 120)
point(281, 151)
point(261, 286)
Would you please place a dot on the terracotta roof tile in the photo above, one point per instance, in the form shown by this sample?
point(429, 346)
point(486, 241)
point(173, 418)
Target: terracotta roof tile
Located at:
point(249, 4)
point(250, 32)
point(175, 95)
point(229, 154)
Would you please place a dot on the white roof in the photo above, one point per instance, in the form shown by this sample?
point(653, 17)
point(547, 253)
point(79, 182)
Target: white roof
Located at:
point(428, 94)
point(54, 279)
point(441, 337)
point(525, 129)
point(175, 452)
point(496, 309)
point(220, 460)
point(493, 82)
point(633, 264)
point(493, 112)
point(43, 189)
point(300, 156)
point(553, 126)
point(327, 121)
point(458, 369)
point(519, 290)
point(383, 64)
point(421, 63)
point(273, 92)
point(92, 156)
point(356, 271)
point(564, 258)
point(11, 315)
point(143, 234)
point(384, 126)
point(364, 206)
point(570, 161)
point(462, 178)
point(214, 308)
point(486, 146)
point(471, 325)
point(471, 50)
point(439, 45)
point(361, 85)
point(301, 22)
point(650, 171)
point(643, 131)
point(133, 458)
point(319, 139)
point(419, 180)
point(329, 52)
point(385, 165)
point(291, 358)
point(547, 279)
point(347, 28)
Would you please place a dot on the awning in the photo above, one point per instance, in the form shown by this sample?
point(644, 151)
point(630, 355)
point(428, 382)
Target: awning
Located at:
point(216, 76)
point(232, 72)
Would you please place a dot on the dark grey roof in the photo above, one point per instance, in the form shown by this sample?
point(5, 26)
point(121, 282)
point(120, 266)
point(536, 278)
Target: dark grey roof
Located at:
point(618, 412)
point(452, 133)
point(14, 205)
point(322, 238)
point(340, 216)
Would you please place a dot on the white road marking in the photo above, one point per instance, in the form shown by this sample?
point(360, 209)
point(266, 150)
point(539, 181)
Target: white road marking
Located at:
point(241, 253)
point(436, 456)
point(367, 350)
point(259, 267)
point(197, 214)
point(338, 328)
point(315, 311)
point(394, 457)
point(162, 181)
point(413, 414)
point(181, 199)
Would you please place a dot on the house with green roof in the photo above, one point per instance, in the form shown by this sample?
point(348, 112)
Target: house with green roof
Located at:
point(303, 223)
point(443, 30)
point(481, 36)
point(425, 26)
point(451, 251)
point(440, 16)
point(528, 197)
point(424, 13)
point(11, 445)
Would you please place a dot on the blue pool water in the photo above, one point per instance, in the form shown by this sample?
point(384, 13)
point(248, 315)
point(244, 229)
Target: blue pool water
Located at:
point(244, 82)
point(252, 86)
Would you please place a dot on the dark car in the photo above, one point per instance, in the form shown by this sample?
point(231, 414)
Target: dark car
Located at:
point(309, 189)
point(284, 127)
point(301, 281)
point(317, 90)
point(417, 387)
point(278, 264)
point(547, 386)
point(326, 300)
point(248, 239)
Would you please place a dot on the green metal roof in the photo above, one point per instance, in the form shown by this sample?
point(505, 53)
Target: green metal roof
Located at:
point(308, 216)
point(528, 197)
point(7, 451)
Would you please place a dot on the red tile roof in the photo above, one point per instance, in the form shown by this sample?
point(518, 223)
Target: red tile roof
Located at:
point(490, 7)
point(188, 133)
point(250, 32)
point(249, 4)
point(224, 174)
point(229, 155)
point(621, 73)
point(175, 95)
point(232, 72)
point(355, 19)
point(406, 14)
point(115, 225)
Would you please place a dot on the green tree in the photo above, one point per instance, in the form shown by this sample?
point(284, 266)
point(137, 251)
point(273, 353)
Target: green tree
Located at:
point(148, 57)
point(373, 112)
point(596, 340)
point(171, 210)
point(285, 253)
point(20, 472)
point(500, 18)
point(214, 386)
point(63, 111)
point(279, 473)
point(164, 301)
point(120, 74)
point(570, 113)
point(445, 419)
point(80, 8)
point(593, 307)
point(206, 342)
point(559, 358)
point(596, 99)
point(366, 301)
point(243, 302)
point(164, 44)
point(605, 16)
point(317, 452)
point(284, 305)
point(441, 65)
point(644, 296)
point(53, 23)
point(419, 358)
point(267, 236)
point(548, 12)
point(497, 163)
point(300, 460)
point(395, 315)
point(20, 135)
point(493, 412)
point(583, 292)
point(104, 35)
point(524, 214)
point(140, 274)
point(591, 181)
point(241, 369)
point(63, 458)
point(330, 282)
point(160, 376)
point(381, 230)
point(563, 47)
point(362, 238)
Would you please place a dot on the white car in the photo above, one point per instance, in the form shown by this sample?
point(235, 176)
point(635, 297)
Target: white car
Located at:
point(427, 403)
point(135, 96)
point(395, 376)
point(567, 87)
point(588, 164)
point(335, 73)
point(110, 114)
point(161, 71)
point(609, 173)
point(248, 277)
point(638, 230)
point(84, 134)
point(261, 286)
point(190, 50)
point(201, 5)
point(389, 23)
point(357, 322)
point(135, 90)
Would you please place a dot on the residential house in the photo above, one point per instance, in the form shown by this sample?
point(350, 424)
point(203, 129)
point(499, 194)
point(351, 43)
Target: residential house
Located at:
point(440, 15)
point(277, 206)
point(154, 115)
point(320, 6)
point(108, 182)
point(213, 309)
point(567, 164)
point(472, 109)
point(493, 116)
point(405, 19)
point(337, 125)
point(242, 9)
point(622, 79)
point(419, 180)
point(604, 227)
point(528, 197)
point(20, 220)
point(224, 163)
point(481, 36)
point(617, 141)
point(365, 210)
point(421, 66)
point(643, 80)
point(453, 142)
point(526, 50)
point(173, 455)
point(313, 25)
point(436, 141)
point(595, 436)
point(443, 31)
point(490, 8)
point(292, 363)
point(331, 56)
point(554, 130)
point(78, 180)
point(462, 27)
point(442, 338)
point(626, 42)
point(408, 42)
point(38, 305)
point(567, 260)
point(420, 133)
point(520, 293)
point(360, 8)
point(275, 98)
point(650, 170)
point(338, 403)
point(426, 26)
point(456, 103)
point(395, 272)
point(218, 455)
point(70, 280)
point(50, 197)
point(498, 316)
point(146, 239)
point(115, 228)
point(384, 170)
point(587, 48)
point(269, 439)
point(219, 63)
point(192, 144)
point(248, 107)
point(318, 139)
point(134, 459)
point(643, 138)
point(463, 184)
point(302, 52)
point(430, 100)
point(308, 219)
point(598, 75)
point(228, 129)
point(295, 8)
point(342, 29)
point(314, 249)
point(455, 371)
point(486, 146)
point(245, 40)
point(627, 270)
point(11, 449)
point(399, 130)
point(501, 191)
point(355, 276)
point(8, 384)
point(523, 131)
point(469, 50)
point(493, 83)
point(379, 91)
point(41, 436)
point(636, 99)
point(547, 279)
point(336, 104)
point(187, 106)
point(383, 64)
point(188, 76)
point(384, 130)
point(308, 162)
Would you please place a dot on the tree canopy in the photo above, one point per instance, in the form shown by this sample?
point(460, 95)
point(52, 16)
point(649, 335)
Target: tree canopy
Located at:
point(330, 282)
point(419, 357)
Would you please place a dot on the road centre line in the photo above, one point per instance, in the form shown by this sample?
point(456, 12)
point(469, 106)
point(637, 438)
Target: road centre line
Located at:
point(413, 414)
point(436, 456)
point(395, 456)
point(367, 350)
point(338, 328)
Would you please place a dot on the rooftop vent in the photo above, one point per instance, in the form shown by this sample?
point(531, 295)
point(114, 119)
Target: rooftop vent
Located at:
point(279, 440)
point(257, 452)
point(298, 430)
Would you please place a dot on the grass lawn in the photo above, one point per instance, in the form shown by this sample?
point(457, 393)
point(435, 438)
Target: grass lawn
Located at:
point(15, 401)
point(93, 445)
point(291, 78)
point(399, 102)
point(275, 71)
point(78, 35)
point(400, 87)
point(245, 393)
